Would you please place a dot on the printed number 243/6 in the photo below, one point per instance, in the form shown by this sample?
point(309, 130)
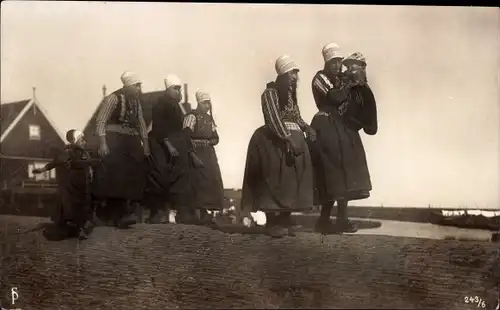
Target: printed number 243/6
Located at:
point(475, 300)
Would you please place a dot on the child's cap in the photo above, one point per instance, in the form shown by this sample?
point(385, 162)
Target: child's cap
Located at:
point(73, 135)
point(355, 58)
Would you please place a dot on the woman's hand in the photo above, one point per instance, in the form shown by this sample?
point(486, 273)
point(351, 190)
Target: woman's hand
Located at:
point(103, 149)
point(171, 149)
point(311, 133)
point(197, 162)
point(145, 145)
point(293, 146)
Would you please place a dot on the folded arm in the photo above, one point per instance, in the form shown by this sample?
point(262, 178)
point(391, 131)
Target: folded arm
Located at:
point(300, 121)
point(334, 95)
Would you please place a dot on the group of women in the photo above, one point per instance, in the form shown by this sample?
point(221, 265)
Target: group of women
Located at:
point(181, 171)
point(291, 165)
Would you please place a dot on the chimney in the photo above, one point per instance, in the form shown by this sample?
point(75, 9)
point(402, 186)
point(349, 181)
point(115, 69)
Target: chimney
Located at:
point(104, 90)
point(187, 105)
point(34, 99)
point(186, 93)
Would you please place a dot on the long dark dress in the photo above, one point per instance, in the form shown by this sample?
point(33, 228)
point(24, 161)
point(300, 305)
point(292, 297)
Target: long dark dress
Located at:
point(73, 173)
point(207, 184)
point(169, 177)
point(338, 155)
point(276, 180)
point(122, 172)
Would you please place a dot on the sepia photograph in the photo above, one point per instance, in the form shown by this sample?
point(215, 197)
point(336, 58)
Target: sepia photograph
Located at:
point(162, 155)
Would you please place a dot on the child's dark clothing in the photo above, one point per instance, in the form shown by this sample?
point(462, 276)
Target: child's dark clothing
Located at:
point(73, 173)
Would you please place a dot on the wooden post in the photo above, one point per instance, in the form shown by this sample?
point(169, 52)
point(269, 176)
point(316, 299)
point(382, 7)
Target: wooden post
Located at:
point(104, 90)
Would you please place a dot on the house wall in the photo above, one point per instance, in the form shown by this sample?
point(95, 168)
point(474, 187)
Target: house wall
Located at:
point(14, 171)
point(18, 143)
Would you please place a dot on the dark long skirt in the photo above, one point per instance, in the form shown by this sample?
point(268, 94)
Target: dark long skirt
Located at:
point(274, 180)
point(339, 161)
point(169, 177)
point(73, 198)
point(121, 174)
point(207, 183)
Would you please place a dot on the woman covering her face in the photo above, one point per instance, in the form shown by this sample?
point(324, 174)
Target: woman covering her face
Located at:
point(341, 172)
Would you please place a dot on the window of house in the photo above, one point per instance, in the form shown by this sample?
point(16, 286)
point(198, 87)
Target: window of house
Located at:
point(45, 176)
point(31, 175)
point(34, 132)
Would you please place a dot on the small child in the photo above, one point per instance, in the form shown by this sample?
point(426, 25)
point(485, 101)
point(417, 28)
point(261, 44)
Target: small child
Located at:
point(360, 110)
point(355, 68)
point(74, 173)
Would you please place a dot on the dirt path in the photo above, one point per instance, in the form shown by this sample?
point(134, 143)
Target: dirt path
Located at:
point(176, 266)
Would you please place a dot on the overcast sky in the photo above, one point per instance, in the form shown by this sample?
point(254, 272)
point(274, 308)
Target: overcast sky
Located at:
point(434, 71)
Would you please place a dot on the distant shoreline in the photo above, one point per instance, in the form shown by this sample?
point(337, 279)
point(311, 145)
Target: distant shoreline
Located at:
point(27, 206)
point(236, 194)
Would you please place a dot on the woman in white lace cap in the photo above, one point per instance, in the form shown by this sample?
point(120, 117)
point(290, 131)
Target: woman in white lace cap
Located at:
point(278, 172)
point(207, 180)
point(171, 164)
point(339, 160)
point(123, 145)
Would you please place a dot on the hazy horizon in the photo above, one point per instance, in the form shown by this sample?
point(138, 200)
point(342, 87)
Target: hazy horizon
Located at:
point(434, 72)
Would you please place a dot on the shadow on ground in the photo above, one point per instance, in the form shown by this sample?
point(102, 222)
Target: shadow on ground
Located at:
point(306, 222)
point(48, 229)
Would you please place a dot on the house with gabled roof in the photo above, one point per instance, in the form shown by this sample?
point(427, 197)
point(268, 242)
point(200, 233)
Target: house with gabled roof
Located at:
point(28, 140)
point(148, 100)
